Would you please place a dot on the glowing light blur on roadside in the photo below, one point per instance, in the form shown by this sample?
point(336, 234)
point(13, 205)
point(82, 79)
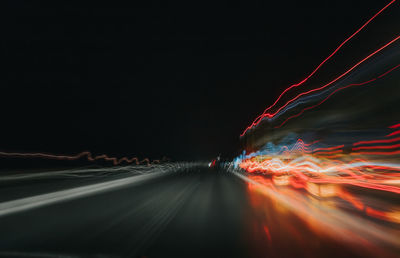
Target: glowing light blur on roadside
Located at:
point(325, 156)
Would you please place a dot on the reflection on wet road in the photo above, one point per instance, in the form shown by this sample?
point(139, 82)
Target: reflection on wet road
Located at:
point(321, 220)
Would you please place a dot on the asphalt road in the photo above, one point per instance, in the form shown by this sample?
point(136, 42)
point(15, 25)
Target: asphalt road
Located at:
point(197, 212)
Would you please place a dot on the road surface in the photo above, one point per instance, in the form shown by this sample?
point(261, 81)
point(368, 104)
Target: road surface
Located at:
point(191, 212)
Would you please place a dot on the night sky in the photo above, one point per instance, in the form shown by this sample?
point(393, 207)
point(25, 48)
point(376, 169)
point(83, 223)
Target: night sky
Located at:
point(168, 79)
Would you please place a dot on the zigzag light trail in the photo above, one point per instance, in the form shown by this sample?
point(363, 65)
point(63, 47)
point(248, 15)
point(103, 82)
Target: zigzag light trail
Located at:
point(87, 154)
point(316, 174)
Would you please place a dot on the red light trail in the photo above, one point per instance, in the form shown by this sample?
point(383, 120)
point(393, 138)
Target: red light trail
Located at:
point(345, 87)
point(270, 115)
point(259, 118)
point(328, 166)
point(394, 126)
point(377, 147)
point(329, 57)
point(377, 141)
point(315, 167)
point(87, 154)
point(300, 171)
point(394, 133)
point(377, 153)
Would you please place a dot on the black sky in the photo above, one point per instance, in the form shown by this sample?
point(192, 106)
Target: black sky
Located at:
point(168, 79)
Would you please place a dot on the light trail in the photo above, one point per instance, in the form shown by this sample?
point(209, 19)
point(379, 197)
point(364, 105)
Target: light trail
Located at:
point(320, 174)
point(130, 176)
point(394, 133)
point(329, 148)
point(320, 215)
point(334, 92)
point(271, 115)
point(87, 154)
point(332, 169)
point(38, 201)
point(314, 166)
point(394, 126)
point(325, 60)
point(377, 147)
point(377, 141)
point(377, 153)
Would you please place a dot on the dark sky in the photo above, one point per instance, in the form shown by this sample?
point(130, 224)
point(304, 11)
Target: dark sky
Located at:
point(168, 79)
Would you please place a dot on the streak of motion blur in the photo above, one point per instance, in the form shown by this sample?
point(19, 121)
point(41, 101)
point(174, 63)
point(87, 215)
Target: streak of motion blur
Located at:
point(317, 175)
point(329, 153)
point(177, 210)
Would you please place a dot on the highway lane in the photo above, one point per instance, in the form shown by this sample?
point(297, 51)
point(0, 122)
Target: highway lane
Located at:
point(186, 213)
point(196, 212)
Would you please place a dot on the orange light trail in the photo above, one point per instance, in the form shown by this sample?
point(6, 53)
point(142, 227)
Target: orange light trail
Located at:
point(320, 174)
point(322, 206)
point(331, 173)
point(315, 167)
point(329, 148)
point(377, 153)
